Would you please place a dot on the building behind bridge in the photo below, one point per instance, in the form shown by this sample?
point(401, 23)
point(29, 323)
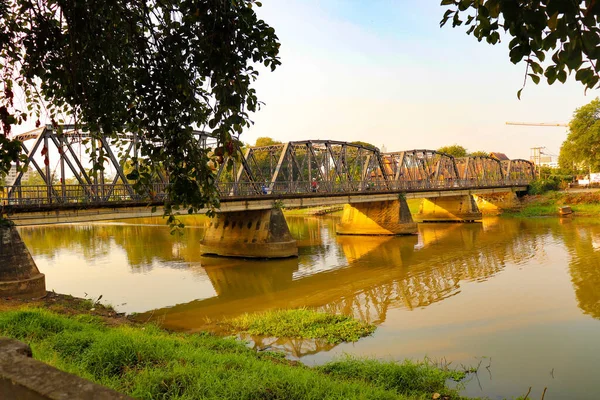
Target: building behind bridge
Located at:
point(12, 175)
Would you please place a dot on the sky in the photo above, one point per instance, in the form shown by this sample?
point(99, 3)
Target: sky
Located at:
point(384, 72)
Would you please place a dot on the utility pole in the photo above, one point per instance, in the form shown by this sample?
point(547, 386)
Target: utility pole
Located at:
point(536, 158)
point(536, 155)
point(536, 152)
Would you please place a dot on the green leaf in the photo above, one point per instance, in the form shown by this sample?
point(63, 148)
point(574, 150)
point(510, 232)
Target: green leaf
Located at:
point(536, 68)
point(552, 21)
point(534, 78)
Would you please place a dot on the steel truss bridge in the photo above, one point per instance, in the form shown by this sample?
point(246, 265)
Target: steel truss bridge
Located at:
point(299, 169)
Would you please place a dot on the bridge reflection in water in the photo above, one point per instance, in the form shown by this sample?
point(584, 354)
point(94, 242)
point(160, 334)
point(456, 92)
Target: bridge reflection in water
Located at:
point(362, 276)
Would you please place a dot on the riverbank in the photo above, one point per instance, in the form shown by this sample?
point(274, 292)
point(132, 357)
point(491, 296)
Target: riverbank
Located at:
point(585, 204)
point(85, 338)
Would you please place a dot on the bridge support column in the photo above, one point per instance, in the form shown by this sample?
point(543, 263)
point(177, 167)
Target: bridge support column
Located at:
point(19, 276)
point(377, 218)
point(495, 203)
point(448, 209)
point(252, 234)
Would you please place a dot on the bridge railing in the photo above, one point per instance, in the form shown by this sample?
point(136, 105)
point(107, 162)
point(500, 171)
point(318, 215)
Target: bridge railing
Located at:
point(77, 194)
point(118, 193)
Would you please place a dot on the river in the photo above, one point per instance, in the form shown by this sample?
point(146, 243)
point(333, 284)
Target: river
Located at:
point(520, 298)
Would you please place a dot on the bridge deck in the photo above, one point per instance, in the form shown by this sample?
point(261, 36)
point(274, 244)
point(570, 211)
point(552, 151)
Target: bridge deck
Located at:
point(298, 173)
point(37, 214)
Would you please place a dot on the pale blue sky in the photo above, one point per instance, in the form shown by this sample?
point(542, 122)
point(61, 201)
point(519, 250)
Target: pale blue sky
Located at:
point(386, 73)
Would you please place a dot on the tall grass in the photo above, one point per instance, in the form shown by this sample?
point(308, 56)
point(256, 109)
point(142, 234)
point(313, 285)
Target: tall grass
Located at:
point(148, 363)
point(301, 323)
point(408, 378)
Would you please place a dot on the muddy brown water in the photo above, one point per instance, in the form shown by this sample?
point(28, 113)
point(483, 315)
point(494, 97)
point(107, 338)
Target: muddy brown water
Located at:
point(518, 297)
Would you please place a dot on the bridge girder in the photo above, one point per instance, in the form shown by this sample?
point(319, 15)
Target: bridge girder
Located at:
point(282, 169)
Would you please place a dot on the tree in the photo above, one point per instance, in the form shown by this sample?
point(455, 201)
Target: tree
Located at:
point(265, 141)
point(35, 179)
point(265, 160)
point(454, 150)
point(365, 144)
point(156, 69)
point(479, 153)
point(564, 35)
point(582, 147)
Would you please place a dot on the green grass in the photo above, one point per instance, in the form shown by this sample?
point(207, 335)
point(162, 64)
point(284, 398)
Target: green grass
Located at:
point(532, 210)
point(582, 203)
point(409, 378)
point(148, 363)
point(301, 323)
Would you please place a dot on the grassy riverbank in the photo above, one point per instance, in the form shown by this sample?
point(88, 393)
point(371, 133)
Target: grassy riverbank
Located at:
point(148, 363)
point(582, 203)
point(300, 323)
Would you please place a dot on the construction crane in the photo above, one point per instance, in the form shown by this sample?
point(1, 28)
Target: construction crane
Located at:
point(536, 152)
point(536, 124)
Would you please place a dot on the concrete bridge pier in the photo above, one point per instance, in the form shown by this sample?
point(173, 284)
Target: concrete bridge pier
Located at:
point(377, 218)
point(495, 203)
point(249, 234)
point(448, 209)
point(19, 276)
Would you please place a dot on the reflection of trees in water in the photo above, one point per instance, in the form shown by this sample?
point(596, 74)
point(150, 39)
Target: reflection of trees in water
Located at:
point(581, 238)
point(143, 245)
point(306, 229)
point(315, 244)
point(49, 240)
point(583, 242)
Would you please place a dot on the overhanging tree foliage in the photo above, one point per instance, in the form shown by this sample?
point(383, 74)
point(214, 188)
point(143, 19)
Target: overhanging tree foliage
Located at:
point(581, 150)
point(154, 68)
point(553, 37)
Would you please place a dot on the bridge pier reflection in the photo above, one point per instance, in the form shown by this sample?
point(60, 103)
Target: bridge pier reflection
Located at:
point(252, 234)
point(377, 218)
point(448, 209)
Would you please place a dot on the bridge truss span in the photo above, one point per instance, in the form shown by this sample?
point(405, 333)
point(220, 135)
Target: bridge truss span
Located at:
point(309, 168)
point(429, 167)
point(312, 166)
